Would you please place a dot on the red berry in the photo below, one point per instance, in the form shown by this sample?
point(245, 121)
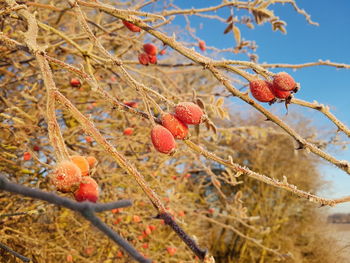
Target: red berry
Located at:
point(66, 177)
point(281, 94)
point(88, 139)
point(211, 210)
point(201, 45)
point(75, 82)
point(171, 250)
point(152, 227)
point(152, 59)
point(128, 131)
point(117, 210)
point(284, 81)
point(162, 52)
point(143, 59)
point(162, 139)
point(131, 26)
point(145, 245)
point(189, 113)
point(261, 90)
point(27, 156)
point(150, 49)
point(36, 148)
point(177, 128)
point(88, 190)
point(148, 231)
point(132, 104)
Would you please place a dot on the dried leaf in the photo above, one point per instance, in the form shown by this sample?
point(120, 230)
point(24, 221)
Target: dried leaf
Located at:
point(219, 102)
point(200, 103)
point(229, 19)
point(237, 35)
point(228, 28)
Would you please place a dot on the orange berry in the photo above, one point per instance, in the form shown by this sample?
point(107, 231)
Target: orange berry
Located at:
point(82, 163)
point(177, 128)
point(136, 219)
point(128, 131)
point(88, 190)
point(92, 161)
point(75, 83)
point(284, 81)
point(150, 49)
point(162, 52)
point(148, 231)
point(145, 245)
point(201, 45)
point(181, 213)
point(189, 113)
point(261, 90)
point(211, 210)
point(152, 227)
point(69, 258)
point(162, 139)
point(27, 156)
point(131, 26)
point(119, 254)
point(89, 250)
point(66, 177)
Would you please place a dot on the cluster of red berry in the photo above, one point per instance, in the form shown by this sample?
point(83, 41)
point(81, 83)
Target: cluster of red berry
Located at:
point(149, 56)
point(72, 176)
point(174, 126)
point(282, 86)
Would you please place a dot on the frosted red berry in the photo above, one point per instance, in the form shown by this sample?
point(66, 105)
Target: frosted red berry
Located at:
point(131, 26)
point(261, 90)
point(75, 83)
point(143, 59)
point(281, 94)
point(202, 45)
point(66, 177)
point(162, 139)
point(88, 190)
point(152, 59)
point(284, 81)
point(177, 128)
point(189, 113)
point(150, 49)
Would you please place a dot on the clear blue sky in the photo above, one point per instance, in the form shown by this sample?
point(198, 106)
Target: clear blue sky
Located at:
point(303, 43)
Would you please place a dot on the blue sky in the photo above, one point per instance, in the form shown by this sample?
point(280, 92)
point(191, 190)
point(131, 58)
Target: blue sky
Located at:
point(302, 43)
